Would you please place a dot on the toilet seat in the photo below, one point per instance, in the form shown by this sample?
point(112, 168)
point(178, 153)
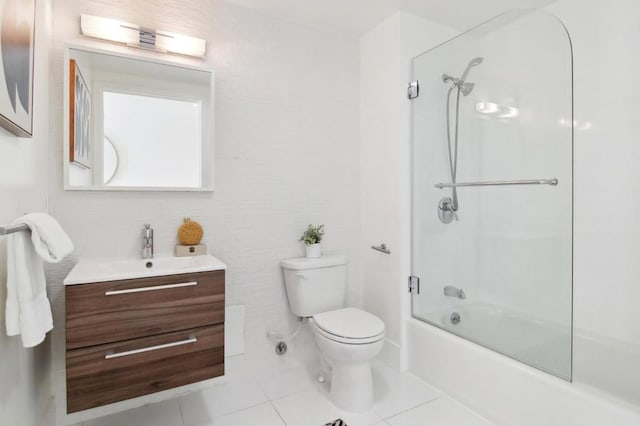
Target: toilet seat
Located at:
point(349, 325)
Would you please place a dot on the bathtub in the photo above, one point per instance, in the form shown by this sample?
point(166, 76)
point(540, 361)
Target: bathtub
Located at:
point(606, 385)
point(541, 344)
point(608, 365)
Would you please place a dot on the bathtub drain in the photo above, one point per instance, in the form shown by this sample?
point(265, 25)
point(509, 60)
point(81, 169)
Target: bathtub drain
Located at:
point(455, 318)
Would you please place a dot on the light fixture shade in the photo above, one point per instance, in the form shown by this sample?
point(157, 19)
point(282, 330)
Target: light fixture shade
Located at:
point(134, 35)
point(178, 43)
point(109, 29)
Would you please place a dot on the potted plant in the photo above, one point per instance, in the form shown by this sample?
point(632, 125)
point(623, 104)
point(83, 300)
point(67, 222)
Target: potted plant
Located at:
point(312, 237)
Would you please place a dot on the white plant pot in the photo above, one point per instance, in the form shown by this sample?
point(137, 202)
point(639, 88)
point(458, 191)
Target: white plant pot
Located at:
point(313, 250)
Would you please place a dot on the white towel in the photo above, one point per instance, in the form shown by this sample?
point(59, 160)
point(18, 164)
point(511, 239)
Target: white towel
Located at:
point(28, 310)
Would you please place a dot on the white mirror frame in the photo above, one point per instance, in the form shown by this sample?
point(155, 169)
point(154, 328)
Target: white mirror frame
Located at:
point(208, 140)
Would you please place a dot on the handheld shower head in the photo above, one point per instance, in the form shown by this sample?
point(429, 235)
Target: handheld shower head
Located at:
point(476, 61)
point(472, 63)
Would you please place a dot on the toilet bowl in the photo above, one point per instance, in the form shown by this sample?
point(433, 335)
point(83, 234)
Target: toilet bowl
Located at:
point(349, 339)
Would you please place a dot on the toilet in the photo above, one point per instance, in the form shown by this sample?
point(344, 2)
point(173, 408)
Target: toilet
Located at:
point(348, 338)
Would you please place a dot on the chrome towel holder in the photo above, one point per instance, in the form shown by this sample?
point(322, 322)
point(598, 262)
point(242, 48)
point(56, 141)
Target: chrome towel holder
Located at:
point(552, 182)
point(382, 248)
point(12, 229)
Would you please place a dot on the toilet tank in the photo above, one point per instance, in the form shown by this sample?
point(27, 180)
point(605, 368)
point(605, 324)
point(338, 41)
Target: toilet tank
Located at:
point(315, 285)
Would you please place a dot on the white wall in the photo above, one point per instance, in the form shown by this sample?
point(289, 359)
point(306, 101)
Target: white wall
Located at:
point(385, 71)
point(605, 37)
point(24, 373)
point(287, 154)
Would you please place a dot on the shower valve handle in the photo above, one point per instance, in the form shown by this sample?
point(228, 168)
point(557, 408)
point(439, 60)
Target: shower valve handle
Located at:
point(449, 206)
point(446, 210)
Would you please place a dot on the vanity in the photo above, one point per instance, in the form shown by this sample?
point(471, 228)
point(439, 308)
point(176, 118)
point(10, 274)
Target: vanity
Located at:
point(136, 327)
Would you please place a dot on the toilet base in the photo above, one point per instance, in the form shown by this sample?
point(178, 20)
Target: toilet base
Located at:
point(352, 387)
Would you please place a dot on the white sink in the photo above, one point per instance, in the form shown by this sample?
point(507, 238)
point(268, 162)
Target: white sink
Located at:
point(100, 270)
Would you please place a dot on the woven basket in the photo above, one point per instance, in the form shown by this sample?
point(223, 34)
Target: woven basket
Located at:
point(190, 233)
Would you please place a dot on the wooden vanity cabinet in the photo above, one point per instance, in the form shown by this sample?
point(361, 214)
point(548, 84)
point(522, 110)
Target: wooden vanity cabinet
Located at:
point(130, 338)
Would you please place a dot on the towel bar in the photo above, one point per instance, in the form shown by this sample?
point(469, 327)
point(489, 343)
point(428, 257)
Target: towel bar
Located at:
point(552, 182)
point(6, 230)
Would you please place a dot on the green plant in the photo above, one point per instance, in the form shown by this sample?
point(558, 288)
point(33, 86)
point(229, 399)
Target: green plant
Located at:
point(313, 234)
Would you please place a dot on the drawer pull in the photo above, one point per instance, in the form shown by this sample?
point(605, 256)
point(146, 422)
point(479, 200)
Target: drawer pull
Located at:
point(153, 288)
point(151, 348)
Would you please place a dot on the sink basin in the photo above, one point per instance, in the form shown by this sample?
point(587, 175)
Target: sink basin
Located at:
point(100, 270)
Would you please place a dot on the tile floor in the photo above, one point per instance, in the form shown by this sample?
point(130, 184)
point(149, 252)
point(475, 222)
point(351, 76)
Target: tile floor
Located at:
point(283, 392)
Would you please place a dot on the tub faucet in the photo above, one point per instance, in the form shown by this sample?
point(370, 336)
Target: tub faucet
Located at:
point(147, 242)
point(452, 291)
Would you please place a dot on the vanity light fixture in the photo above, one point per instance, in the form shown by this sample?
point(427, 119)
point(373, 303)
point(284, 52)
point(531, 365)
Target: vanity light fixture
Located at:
point(144, 38)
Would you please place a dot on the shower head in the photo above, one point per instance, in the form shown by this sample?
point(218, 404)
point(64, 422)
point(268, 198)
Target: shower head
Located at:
point(472, 63)
point(476, 61)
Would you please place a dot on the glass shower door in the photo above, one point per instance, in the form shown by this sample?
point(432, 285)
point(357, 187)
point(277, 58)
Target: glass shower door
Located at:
point(492, 187)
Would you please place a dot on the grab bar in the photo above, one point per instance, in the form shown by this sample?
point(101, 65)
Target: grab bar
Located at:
point(6, 230)
point(552, 182)
point(382, 248)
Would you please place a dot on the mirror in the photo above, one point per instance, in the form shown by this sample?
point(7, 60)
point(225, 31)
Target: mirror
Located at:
point(110, 160)
point(134, 123)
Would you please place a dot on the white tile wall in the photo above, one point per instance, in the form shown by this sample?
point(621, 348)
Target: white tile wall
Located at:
point(384, 125)
point(24, 373)
point(604, 37)
point(287, 154)
point(606, 269)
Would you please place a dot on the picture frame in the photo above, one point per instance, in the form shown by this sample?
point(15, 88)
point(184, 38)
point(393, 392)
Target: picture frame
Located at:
point(17, 33)
point(79, 118)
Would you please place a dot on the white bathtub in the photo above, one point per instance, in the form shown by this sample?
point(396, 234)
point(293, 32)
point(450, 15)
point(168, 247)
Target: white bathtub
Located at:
point(509, 392)
point(544, 345)
point(607, 365)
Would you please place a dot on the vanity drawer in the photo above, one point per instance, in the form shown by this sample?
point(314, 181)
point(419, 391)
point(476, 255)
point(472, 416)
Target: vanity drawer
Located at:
point(104, 374)
point(98, 313)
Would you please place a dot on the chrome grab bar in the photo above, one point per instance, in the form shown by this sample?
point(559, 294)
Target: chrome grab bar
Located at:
point(6, 230)
point(552, 182)
point(382, 248)
point(153, 288)
point(150, 348)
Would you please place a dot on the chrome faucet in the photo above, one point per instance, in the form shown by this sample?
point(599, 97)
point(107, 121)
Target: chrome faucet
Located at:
point(452, 291)
point(147, 242)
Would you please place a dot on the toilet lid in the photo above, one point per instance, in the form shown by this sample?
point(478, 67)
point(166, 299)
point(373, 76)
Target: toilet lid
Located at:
point(350, 323)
